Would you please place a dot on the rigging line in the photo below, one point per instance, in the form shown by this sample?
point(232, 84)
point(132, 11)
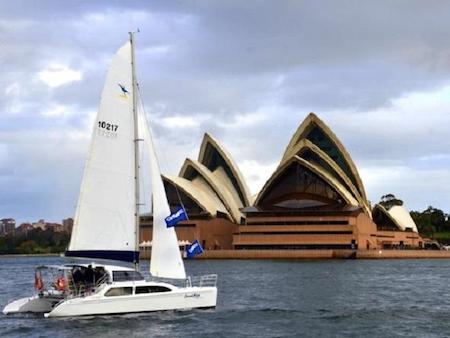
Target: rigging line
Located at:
point(163, 154)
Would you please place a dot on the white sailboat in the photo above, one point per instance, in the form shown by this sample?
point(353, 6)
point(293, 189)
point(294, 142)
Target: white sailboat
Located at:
point(107, 223)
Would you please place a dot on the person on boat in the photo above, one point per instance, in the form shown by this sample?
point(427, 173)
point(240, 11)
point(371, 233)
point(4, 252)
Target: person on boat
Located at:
point(89, 274)
point(89, 277)
point(77, 275)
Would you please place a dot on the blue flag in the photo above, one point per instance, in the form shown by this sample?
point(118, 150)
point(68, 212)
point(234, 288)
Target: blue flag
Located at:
point(194, 249)
point(177, 216)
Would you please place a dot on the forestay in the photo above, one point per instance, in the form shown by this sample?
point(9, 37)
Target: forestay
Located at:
point(166, 261)
point(104, 224)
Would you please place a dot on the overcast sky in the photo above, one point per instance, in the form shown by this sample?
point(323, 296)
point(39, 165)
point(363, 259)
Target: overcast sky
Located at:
point(248, 72)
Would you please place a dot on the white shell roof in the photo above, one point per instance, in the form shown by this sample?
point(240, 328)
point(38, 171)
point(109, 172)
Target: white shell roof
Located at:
point(402, 217)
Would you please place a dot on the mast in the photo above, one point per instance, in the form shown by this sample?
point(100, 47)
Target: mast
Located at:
point(136, 149)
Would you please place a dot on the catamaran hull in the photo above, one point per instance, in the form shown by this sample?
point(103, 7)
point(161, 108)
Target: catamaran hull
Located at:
point(33, 304)
point(185, 298)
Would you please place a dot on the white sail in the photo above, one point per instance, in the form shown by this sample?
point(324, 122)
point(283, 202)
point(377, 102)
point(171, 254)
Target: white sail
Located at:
point(104, 220)
point(166, 261)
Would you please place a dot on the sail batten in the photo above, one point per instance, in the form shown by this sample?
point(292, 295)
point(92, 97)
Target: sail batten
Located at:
point(104, 219)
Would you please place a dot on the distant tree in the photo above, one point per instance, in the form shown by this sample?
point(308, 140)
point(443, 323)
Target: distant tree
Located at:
point(388, 197)
point(2, 245)
point(389, 200)
point(28, 247)
point(7, 244)
point(431, 220)
point(436, 217)
point(34, 241)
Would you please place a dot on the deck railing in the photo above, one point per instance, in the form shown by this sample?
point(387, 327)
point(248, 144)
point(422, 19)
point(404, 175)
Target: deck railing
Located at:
point(202, 281)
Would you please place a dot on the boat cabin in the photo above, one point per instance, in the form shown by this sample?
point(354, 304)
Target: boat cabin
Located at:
point(77, 279)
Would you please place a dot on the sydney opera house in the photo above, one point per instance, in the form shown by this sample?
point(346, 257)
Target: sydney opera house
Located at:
point(315, 199)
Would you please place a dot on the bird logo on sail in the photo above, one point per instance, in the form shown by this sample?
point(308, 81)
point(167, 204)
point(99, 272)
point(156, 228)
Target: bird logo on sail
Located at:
point(125, 92)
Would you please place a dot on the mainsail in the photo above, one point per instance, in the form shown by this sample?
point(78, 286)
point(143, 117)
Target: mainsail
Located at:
point(166, 261)
point(104, 224)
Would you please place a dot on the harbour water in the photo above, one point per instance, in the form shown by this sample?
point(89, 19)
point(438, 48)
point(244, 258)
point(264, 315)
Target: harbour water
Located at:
point(329, 298)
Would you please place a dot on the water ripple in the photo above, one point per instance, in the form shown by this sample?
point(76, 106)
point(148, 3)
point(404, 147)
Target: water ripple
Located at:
point(268, 299)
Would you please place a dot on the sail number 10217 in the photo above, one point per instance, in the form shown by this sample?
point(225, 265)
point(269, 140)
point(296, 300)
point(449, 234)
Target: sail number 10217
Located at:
point(107, 126)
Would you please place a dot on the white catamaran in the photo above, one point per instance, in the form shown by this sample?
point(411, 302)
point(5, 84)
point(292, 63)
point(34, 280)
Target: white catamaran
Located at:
point(107, 223)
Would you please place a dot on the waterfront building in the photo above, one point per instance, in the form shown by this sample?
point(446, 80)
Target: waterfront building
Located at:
point(24, 228)
point(43, 225)
point(7, 226)
point(67, 225)
point(39, 225)
point(315, 199)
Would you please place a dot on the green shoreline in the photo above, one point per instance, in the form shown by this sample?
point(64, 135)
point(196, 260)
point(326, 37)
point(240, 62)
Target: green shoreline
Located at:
point(32, 255)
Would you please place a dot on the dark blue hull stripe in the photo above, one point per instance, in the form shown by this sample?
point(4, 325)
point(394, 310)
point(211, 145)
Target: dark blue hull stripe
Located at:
point(116, 255)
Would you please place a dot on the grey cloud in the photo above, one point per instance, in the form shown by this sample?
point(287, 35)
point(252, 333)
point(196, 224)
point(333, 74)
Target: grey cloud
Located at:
point(47, 168)
point(221, 61)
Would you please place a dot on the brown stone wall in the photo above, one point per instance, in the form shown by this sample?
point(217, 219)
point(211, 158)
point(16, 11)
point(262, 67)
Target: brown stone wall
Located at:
point(290, 232)
point(290, 228)
point(293, 239)
point(365, 229)
point(402, 254)
point(409, 239)
point(295, 231)
point(261, 219)
point(213, 234)
point(267, 254)
point(369, 238)
point(324, 254)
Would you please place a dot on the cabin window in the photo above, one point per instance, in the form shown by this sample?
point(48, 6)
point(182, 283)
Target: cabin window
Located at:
point(151, 289)
point(125, 276)
point(114, 292)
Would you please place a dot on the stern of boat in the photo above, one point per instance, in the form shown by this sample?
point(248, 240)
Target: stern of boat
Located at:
point(201, 292)
point(33, 304)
